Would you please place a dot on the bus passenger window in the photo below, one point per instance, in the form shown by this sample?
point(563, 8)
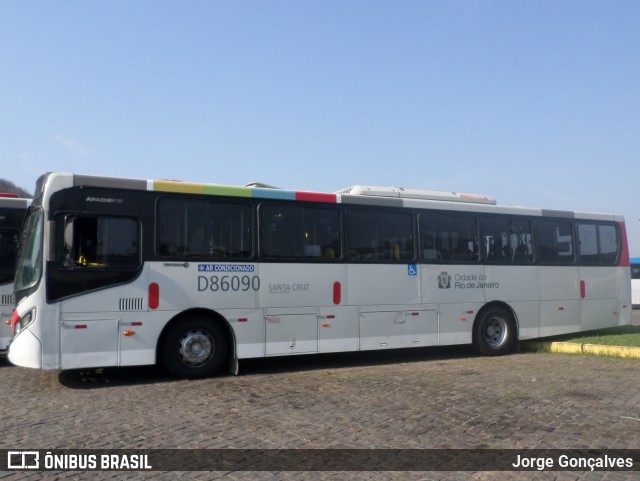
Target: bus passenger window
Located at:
point(202, 229)
point(464, 236)
point(598, 243)
point(379, 236)
point(555, 242)
point(507, 241)
point(435, 237)
point(298, 232)
point(100, 242)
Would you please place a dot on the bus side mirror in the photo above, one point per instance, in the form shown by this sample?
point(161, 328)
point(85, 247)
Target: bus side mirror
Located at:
point(69, 227)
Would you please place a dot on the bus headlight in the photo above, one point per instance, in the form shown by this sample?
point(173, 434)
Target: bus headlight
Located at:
point(19, 323)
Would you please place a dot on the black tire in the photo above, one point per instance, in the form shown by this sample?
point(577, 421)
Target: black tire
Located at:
point(494, 332)
point(194, 347)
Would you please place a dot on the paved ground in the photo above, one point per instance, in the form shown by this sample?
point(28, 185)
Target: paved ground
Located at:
point(426, 398)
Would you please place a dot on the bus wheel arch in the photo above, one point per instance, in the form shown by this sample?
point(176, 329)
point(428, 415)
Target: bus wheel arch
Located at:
point(495, 329)
point(195, 344)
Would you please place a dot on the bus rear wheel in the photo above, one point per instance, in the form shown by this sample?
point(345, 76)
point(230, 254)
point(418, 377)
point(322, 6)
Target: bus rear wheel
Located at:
point(494, 332)
point(194, 348)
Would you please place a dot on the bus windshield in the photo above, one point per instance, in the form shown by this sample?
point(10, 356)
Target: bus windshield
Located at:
point(29, 265)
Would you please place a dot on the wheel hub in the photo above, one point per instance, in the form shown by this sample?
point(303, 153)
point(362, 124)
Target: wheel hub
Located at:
point(495, 332)
point(195, 348)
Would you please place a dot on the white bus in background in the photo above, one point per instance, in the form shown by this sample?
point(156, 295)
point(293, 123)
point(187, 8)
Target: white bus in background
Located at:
point(120, 272)
point(12, 211)
point(635, 282)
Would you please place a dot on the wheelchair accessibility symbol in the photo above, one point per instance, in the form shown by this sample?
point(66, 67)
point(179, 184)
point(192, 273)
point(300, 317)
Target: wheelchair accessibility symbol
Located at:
point(412, 269)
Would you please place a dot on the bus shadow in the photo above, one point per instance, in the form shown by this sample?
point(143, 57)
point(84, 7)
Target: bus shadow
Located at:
point(113, 377)
point(312, 362)
point(141, 375)
point(4, 360)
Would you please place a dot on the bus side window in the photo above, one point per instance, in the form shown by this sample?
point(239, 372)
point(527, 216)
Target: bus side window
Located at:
point(299, 232)
point(434, 237)
point(555, 242)
point(100, 242)
point(598, 243)
point(203, 229)
point(464, 233)
point(379, 236)
point(507, 241)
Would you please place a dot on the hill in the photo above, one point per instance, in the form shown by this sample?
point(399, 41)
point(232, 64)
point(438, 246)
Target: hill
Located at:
point(10, 187)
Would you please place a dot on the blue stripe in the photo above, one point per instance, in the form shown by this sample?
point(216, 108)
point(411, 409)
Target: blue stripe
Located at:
point(273, 194)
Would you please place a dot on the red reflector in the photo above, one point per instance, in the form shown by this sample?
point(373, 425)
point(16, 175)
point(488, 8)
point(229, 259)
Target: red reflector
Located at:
point(583, 290)
point(561, 308)
point(243, 319)
point(337, 293)
point(80, 326)
point(154, 295)
point(415, 313)
point(331, 316)
point(136, 323)
point(469, 312)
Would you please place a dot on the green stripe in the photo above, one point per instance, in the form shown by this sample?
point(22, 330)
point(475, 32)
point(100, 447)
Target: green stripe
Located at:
point(226, 190)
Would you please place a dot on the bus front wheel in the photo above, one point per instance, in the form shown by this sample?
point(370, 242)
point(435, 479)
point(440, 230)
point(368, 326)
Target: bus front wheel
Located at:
point(494, 332)
point(194, 348)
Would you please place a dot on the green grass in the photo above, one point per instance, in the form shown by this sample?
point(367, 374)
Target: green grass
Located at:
point(613, 336)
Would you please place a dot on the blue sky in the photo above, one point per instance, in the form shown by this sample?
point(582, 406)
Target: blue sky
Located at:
point(535, 103)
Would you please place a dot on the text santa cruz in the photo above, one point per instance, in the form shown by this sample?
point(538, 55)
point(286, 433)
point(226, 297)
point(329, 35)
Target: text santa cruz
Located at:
point(465, 281)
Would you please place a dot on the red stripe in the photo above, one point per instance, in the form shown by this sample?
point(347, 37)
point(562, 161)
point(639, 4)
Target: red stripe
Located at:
point(316, 197)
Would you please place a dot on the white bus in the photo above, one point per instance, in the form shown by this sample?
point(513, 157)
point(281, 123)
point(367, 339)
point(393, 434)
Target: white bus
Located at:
point(12, 211)
point(120, 272)
point(635, 282)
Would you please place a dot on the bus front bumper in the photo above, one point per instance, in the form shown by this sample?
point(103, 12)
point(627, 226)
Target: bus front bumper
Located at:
point(26, 350)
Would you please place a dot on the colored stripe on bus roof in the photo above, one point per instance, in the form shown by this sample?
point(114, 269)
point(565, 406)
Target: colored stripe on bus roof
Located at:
point(182, 187)
point(256, 192)
point(273, 194)
point(316, 197)
point(211, 189)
